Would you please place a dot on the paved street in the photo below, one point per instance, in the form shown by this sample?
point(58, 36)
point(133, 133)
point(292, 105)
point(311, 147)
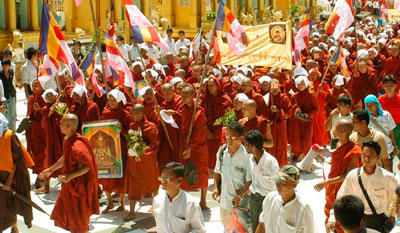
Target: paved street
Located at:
point(113, 222)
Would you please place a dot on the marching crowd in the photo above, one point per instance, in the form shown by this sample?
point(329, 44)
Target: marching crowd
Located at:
point(279, 117)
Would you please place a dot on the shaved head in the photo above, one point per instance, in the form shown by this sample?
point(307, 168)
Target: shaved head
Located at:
point(346, 125)
point(251, 103)
point(71, 120)
point(190, 90)
point(137, 108)
point(167, 86)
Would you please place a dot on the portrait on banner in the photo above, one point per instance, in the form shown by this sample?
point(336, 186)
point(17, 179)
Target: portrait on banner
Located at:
point(277, 33)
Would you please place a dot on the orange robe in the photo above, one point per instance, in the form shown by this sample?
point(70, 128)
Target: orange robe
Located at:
point(361, 85)
point(320, 136)
point(215, 107)
point(88, 111)
point(77, 200)
point(142, 176)
point(260, 123)
point(302, 130)
point(165, 153)
point(341, 159)
point(151, 113)
point(124, 117)
point(197, 144)
point(261, 106)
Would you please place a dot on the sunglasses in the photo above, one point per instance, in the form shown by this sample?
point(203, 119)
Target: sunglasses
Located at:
point(231, 137)
point(164, 178)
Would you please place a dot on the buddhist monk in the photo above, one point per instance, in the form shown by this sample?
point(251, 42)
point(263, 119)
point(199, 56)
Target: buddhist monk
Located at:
point(302, 131)
point(77, 199)
point(65, 88)
point(215, 103)
point(184, 64)
point(165, 152)
point(258, 98)
point(337, 88)
point(54, 137)
point(35, 138)
point(278, 112)
point(196, 151)
point(85, 109)
point(238, 102)
point(344, 159)
point(116, 111)
point(391, 66)
point(14, 164)
point(149, 104)
point(251, 121)
point(169, 57)
point(142, 174)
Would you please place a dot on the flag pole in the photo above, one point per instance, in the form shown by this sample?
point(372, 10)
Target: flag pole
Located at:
point(154, 97)
point(98, 45)
point(200, 88)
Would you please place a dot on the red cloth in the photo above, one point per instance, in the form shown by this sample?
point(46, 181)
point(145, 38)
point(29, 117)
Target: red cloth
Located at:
point(88, 111)
point(215, 107)
point(392, 66)
point(341, 159)
point(142, 177)
point(35, 138)
point(165, 153)
point(151, 113)
point(261, 106)
point(260, 123)
point(320, 136)
point(302, 131)
point(124, 117)
point(197, 144)
point(278, 127)
point(361, 85)
point(392, 105)
point(54, 137)
point(77, 200)
point(331, 97)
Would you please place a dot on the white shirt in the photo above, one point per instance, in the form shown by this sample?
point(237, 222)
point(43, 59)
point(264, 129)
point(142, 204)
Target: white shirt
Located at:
point(29, 72)
point(235, 172)
point(171, 45)
point(376, 5)
point(124, 49)
point(261, 173)
point(181, 215)
point(387, 122)
point(369, 3)
point(134, 53)
point(154, 53)
point(179, 43)
point(380, 187)
point(2, 98)
point(337, 118)
point(293, 217)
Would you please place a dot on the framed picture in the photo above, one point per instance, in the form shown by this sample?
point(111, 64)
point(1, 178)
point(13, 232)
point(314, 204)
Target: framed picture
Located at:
point(104, 138)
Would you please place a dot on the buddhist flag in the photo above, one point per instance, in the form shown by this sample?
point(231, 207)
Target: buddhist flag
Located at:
point(48, 71)
point(88, 64)
point(111, 29)
point(216, 49)
point(341, 18)
point(195, 43)
point(143, 30)
point(340, 60)
point(229, 25)
point(301, 40)
point(53, 43)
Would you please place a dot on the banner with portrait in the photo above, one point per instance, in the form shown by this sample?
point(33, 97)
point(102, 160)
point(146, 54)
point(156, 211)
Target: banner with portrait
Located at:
point(270, 45)
point(104, 138)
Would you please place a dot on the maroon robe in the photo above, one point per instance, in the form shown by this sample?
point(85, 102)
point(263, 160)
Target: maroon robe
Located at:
point(361, 85)
point(88, 111)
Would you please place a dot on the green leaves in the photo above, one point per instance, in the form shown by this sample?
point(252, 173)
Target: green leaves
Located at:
point(229, 117)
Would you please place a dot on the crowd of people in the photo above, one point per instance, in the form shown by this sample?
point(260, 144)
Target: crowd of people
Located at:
point(280, 117)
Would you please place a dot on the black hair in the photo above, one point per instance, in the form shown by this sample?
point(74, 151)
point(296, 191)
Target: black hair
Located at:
point(76, 42)
point(345, 99)
point(397, 191)
point(121, 37)
point(237, 127)
point(31, 52)
point(362, 115)
point(389, 78)
point(6, 62)
point(176, 168)
point(181, 32)
point(169, 30)
point(349, 211)
point(374, 145)
point(8, 52)
point(255, 138)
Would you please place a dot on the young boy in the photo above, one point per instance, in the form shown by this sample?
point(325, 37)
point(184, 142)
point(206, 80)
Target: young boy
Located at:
point(342, 111)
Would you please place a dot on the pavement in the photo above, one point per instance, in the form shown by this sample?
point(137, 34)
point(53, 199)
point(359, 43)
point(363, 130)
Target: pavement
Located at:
point(144, 222)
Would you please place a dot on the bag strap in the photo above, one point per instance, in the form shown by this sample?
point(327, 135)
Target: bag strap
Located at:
point(221, 155)
point(383, 130)
point(371, 206)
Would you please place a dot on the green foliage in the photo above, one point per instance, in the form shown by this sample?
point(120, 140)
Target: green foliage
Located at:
point(294, 11)
point(94, 38)
point(209, 17)
point(61, 109)
point(229, 117)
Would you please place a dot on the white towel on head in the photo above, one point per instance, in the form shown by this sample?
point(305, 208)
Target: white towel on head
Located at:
point(168, 119)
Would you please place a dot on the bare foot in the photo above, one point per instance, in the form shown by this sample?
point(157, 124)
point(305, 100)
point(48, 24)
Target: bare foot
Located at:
point(107, 209)
point(151, 210)
point(37, 183)
point(120, 208)
point(129, 217)
point(41, 190)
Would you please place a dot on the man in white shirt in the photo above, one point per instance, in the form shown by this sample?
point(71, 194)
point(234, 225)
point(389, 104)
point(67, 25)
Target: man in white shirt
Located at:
point(378, 182)
point(283, 210)
point(153, 51)
point(123, 48)
point(170, 42)
point(29, 71)
point(174, 209)
point(181, 42)
point(232, 172)
point(349, 212)
point(262, 167)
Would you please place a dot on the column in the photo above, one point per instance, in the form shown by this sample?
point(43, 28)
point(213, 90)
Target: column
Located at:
point(249, 6)
point(3, 25)
point(167, 12)
point(146, 8)
point(69, 16)
point(12, 19)
point(260, 10)
point(194, 18)
point(23, 14)
point(118, 17)
point(34, 15)
point(103, 14)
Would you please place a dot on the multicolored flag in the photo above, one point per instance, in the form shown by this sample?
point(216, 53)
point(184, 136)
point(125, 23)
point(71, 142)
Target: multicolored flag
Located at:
point(341, 18)
point(301, 39)
point(48, 70)
point(111, 29)
point(116, 62)
point(195, 43)
point(383, 10)
point(88, 64)
point(340, 60)
point(53, 43)
point(216, 49)
point(143, 30)
point(227, 23)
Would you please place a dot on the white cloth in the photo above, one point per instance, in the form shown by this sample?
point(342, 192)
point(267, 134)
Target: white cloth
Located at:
point(234, 172)
point(261, 173)
point(238, 79)
point(124, 49)
point(118, 95)
point(3, 124)
point(171, 45)
point(181, 215)
point(302, 78)
point(2, 98)
point(134, 52)
point(241, 97)
point(80, 90)
point(29, 72)
point(168, 119)
point(138, 63)
point(380, 186)
point(179, 43)
point(293, 217)
point(339, 80)
point(154, 53)
point(264, 79)
point(387, 122)
point(47, 92)
point(143, 91)
point(176, 80)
